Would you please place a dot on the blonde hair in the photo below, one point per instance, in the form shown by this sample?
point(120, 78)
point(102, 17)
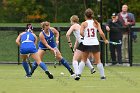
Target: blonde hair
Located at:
point(43, 24)
point(74, 19)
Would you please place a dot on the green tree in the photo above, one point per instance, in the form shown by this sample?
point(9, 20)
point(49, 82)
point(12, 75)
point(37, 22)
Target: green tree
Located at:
point(60, 10)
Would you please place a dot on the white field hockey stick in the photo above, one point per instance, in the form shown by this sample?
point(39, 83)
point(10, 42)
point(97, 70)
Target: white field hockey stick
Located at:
point(114, 43)
point(55, 60)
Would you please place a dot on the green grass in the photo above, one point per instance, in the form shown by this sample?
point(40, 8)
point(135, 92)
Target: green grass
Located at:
point(119, 80)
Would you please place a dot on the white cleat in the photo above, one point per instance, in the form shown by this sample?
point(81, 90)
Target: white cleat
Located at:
point(73, 75)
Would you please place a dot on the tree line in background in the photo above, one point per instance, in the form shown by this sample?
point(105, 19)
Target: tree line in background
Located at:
point(60, 10)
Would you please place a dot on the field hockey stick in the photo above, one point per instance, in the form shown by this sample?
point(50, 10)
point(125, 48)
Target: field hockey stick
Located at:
point(55, 60)
point(72, 49)
point(29, 62)
point(114, 43)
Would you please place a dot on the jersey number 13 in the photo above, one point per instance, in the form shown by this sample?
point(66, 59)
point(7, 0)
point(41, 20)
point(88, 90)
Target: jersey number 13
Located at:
point(91, 32)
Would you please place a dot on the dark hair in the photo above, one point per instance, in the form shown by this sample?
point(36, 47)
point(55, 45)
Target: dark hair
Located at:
point(29, 26)
point(89, 13)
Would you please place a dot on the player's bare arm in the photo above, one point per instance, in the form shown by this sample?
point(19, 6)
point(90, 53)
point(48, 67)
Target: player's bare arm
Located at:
point(68, 35)
point(102, 34)
point(42, 38)
point(83, 26)
point(35, 38)
point(56, 35)
point(18, 38)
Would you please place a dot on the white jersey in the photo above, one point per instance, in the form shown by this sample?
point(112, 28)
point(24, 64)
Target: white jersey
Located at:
point(90, 34)
point(77, 35)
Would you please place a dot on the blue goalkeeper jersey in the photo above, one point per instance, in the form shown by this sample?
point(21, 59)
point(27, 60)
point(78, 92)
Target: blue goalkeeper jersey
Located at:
point(27, 43)
point(50, 40)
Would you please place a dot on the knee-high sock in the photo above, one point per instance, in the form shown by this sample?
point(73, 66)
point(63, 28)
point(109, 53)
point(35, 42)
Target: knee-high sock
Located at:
point(34, 66)
point(75, 66)
point(26, 68)
point(81, 67)
point(88, 63)
point(43, 66)
point(65, 63)
point(101, 69)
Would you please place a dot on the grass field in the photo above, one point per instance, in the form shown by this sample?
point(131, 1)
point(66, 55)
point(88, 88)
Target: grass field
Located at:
point(119, 80)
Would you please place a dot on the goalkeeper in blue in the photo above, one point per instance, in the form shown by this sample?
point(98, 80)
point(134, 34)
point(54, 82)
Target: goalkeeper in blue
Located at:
point(47, 42)
point(27, 42)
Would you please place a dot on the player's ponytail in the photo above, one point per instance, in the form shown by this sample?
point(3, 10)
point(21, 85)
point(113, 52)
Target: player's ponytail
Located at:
point(29, 28)
point(96, 22)
point(89, 13)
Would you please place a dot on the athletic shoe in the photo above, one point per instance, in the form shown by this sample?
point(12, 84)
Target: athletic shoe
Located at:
point(49, 74)
point(93, 70)
point(77, 77)
point(103, 78)
point(73, 75)
point(28, 76)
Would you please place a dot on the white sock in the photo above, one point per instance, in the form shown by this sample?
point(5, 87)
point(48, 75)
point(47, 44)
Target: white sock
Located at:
point(81, 67)
point(88, 63)
point(101, 69)
point(75, 66)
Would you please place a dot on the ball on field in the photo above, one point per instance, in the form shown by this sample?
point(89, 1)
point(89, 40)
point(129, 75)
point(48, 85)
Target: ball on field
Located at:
point(62, 73)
